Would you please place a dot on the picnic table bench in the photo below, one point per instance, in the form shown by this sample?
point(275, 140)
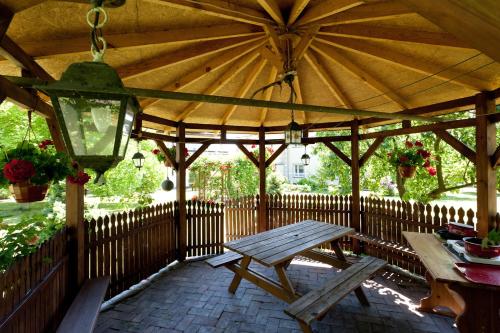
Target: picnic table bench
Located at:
point(276, 249)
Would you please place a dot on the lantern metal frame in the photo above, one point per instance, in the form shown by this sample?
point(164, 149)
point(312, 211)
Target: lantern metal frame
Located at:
point(138, 156)
point(305, 158)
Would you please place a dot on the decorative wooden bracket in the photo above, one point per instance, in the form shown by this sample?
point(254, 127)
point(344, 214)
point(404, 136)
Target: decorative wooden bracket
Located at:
point(166, 152)
point(337, 152)
point(457, 144)
point(369, 152)
point(197, 154)
point(275, 154)
point(495, 158)
point(248, 154)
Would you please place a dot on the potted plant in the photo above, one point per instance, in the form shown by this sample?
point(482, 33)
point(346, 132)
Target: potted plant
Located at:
point(163, 159)
point(489, 247)
point(408, 159)
point(28, 170)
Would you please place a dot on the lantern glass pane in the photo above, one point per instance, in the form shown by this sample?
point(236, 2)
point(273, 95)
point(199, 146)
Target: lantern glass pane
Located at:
point(296, 136)
point(91, 124)
point(127, 128)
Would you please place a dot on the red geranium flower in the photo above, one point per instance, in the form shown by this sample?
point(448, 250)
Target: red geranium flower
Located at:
point(423, 153)
point(254, 146)
point(432, 171)
point(419, 144)
point(409, 144)
point(156, 151)
point(17, 171)
point(427, 164)
point(403, 159)
point(45, 143)
point(81, 178)
point(186, 152)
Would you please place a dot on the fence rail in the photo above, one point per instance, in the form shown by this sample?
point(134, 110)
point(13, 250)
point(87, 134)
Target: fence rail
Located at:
point(34, 291)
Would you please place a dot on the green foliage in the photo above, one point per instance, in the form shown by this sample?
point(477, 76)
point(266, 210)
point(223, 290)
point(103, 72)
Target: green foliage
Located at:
point(20, 239)
point(14, 122)
point(493, 238)
point(274, 183)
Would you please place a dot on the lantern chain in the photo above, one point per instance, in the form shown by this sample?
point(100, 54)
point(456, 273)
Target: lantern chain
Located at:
point(98, 44)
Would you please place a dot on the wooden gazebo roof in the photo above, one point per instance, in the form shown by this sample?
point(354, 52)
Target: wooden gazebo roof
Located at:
point(384, 56)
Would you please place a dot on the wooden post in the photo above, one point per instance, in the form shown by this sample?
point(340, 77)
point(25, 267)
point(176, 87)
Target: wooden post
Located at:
point(355, 208)
point(181, 190)
point(262, 181)
point(76, 233)
point(485, 173)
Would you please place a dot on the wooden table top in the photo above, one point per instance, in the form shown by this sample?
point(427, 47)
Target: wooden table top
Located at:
point(282, 244)
point(439, 263)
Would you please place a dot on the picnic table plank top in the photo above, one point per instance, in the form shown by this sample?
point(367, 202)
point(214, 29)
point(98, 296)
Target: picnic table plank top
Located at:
point(281, 244)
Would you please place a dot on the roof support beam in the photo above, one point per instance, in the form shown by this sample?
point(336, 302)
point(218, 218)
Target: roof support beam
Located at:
point(373, 32)
point(249, 81)
point(297, 9)
point(495, 158)
point(370, 151)
point(272, 8)
point(458, 145)
point(326, 8)
point(197, 154)
point(328, 80)
point(362, 73)
point(49, 48)
point(304, 43)
point(248, 154)
point(338, 152)
point(166, 152)
point(187, 53)
point(275, 155)
point(220, 8)
point(25, 98)
point(475, 22)
point(404, 60)
point(6, 16)
point(209, 67)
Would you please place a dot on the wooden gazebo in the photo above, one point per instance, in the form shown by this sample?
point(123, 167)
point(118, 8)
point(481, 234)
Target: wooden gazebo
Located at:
point(359, 64)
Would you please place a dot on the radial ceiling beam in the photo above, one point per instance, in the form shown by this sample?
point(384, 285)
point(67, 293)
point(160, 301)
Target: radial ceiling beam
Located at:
point(172, 58)
point(297, 9)
point(304, 43)
point(227, 76)
point(249, 81)
point(272, 8)
point(220, 8)
point(217, 62)
point(393, 57)
point(273, 76)
point(360, 72)
point(476, 22)
point(368, 12)
point(334, 88)
point(326, 8)
point(375, 32)
point(49, 48)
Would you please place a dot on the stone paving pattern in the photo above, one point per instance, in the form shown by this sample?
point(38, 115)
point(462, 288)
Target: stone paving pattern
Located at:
point(194, 298)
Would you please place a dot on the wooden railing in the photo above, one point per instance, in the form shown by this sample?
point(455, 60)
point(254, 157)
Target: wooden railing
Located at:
point(240, 218)
point(205, 228)
point(130, 246)
point(34, 291)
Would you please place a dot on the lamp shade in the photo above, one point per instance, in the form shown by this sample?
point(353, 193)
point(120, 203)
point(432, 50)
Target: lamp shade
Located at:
point(95, 114)
point(293, 134)
point(138, 160)
point(305, 159)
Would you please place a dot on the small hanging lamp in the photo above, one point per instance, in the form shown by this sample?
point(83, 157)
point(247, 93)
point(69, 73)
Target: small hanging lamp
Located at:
point(293, 133)
point(305, 157)
point(92, 107)
point(138, 158)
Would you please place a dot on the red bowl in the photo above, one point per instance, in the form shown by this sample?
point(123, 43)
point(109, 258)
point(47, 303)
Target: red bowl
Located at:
point(473, 246)
point(461, 229)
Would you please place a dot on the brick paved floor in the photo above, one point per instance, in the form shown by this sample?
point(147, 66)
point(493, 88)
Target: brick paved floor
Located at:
point(194, 298)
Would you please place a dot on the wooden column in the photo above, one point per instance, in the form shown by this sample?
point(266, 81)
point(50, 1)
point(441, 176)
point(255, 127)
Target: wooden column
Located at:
point(76, 232)
point(181, 190)
point(355, 217)
point(262, 181)
point(485, 173)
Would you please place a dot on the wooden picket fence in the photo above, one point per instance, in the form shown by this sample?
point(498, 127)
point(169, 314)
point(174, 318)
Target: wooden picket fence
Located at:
point(130, 246)
point(240, 217)
point(34, 291)
point(205, 228)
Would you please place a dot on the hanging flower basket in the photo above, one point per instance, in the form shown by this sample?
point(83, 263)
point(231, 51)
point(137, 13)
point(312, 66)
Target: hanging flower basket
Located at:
point(27, 192)
point(407, 171)
point(167, 163)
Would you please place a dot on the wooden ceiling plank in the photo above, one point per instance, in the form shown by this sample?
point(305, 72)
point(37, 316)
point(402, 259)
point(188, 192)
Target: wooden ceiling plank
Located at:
point(227, 76)
point(406, 61)
point(368, 12)
point(373, 32)
point(334, 88)
point(274, 59)
point(274, 41)
point(360, 72)
point(326, 8)
point(210, 66)
point(172, 58)
point(272, 8)
point(273, 76)
point(297, 9)
point(220, 8)
point(475, 22)
point(304, 43)
point(50, 48)
point(249, 81)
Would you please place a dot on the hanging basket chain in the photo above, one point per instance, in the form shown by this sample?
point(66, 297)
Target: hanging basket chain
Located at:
point(98, 43)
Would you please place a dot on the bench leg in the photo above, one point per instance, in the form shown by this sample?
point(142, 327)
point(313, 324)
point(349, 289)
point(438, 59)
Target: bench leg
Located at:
point(245, 262)
point(305, 328)
point(285, 281)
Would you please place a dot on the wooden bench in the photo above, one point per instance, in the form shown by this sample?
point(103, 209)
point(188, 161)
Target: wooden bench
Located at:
point(224, 259)
point(82, 314)
point(403, 253)
point(317, 302)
